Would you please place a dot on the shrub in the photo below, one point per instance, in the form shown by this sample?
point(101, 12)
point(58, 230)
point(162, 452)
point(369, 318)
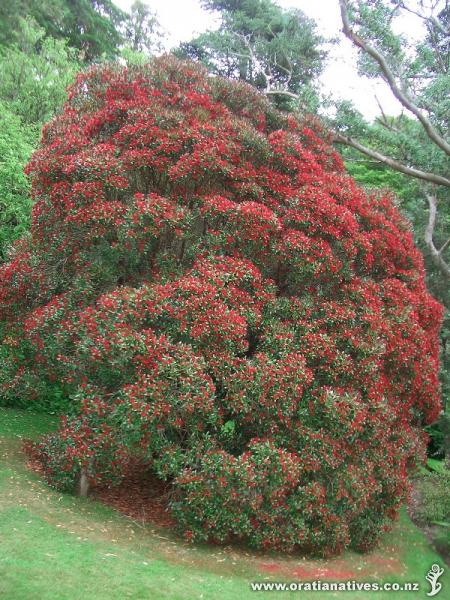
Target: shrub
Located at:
point(221, 300)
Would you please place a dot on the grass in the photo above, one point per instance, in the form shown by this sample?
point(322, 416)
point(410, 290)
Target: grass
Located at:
point(57, 547)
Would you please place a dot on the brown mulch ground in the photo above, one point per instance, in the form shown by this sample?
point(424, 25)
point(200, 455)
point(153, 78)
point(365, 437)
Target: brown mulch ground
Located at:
point(140, 496)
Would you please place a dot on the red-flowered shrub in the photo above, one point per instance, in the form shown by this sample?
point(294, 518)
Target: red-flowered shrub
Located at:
point(220, 300)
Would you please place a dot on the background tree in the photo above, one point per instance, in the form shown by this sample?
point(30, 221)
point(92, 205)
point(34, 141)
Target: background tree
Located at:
point(143, 30)
point(418, 76)
point(260, 43)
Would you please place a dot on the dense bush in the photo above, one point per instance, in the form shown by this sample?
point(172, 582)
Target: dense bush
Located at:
point(220, 300)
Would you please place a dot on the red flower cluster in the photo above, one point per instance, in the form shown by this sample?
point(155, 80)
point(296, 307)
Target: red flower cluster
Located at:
point(219, 299)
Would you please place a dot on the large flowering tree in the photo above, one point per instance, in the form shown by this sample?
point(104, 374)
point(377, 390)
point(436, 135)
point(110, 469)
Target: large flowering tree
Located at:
point(222, 302)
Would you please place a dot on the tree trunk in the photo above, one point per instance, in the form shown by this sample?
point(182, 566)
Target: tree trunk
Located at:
point(83, 484)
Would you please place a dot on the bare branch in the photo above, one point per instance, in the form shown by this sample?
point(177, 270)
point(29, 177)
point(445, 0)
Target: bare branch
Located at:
point(444, 246)
point(390, 162)
point(254, 61)
point(240, 54)
point(436, 255)
point(401, 95)
point(386, 125)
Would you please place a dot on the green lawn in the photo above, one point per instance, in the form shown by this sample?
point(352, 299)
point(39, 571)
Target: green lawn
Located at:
point(56, 547)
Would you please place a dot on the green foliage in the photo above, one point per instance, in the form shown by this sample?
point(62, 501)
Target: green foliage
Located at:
point(437, 466)
point(375, 20)
point(373, 176)
point(90, 26)
point(34, 74)
point(16, 145)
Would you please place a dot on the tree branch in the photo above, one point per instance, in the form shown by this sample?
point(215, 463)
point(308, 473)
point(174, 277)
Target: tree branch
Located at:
point(436, 255)
point(390, 162)
point(444, 246)
point(401, 96)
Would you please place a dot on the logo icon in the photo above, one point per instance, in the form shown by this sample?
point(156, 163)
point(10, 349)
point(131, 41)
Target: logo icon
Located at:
point(432, 577)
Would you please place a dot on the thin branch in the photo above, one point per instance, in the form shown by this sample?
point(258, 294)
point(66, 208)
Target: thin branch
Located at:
point(401, 96)
point(240, 54)
point(381, 108)
point(282, 93)
point(427, 18)
point(436, 255)
point(251, 57)
point(386, 125)
point(444, 246)
point(390, 162)
point(383, 120)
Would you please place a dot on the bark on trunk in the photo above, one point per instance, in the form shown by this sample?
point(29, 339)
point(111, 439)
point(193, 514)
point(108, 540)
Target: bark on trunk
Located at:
point(83, 484)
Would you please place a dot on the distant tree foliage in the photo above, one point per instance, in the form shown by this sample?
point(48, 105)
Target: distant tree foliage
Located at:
point(143, 30)
point(34, 73)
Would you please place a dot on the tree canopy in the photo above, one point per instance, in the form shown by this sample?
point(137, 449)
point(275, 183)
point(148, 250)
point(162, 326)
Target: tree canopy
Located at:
point(143, 31)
